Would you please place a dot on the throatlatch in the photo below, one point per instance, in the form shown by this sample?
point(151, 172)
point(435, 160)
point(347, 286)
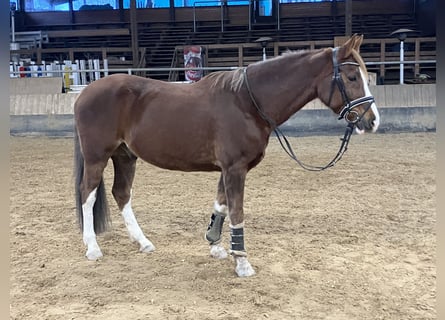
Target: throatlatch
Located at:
point(237, 242)
point(214, 230)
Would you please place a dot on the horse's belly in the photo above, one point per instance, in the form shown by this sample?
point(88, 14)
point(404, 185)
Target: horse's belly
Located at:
point(181, 164)
point(175, 154)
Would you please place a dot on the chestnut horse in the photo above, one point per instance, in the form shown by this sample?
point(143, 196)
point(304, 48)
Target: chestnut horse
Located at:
point(221, 123)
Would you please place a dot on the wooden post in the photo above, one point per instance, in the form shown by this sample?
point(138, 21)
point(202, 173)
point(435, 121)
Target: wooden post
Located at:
point(417, 57)
point(172, 12)
point(121, 11)
point(382, 58)
point(104, 53)
point(71, 10)
point(348, 18)
point(134, 33)
point(39, 55)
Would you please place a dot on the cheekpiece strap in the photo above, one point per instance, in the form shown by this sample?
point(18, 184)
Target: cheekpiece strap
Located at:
point(335, 63)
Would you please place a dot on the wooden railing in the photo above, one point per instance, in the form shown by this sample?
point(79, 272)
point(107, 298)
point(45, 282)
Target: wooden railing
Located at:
point(381, 55)
point(30, 39)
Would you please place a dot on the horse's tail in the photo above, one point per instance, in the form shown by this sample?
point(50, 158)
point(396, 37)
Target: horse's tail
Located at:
point(101, 216)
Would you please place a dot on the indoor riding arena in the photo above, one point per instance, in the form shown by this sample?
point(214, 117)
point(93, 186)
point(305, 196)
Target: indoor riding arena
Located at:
point(354, 241)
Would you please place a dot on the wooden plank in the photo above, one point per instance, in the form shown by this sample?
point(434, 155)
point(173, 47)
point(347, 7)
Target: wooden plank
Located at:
point(88, 33)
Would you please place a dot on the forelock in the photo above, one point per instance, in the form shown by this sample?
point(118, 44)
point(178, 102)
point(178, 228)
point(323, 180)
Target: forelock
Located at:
point(360, 61)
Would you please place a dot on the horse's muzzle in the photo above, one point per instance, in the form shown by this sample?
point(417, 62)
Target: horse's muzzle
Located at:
point(368, 121)
point(362, 113)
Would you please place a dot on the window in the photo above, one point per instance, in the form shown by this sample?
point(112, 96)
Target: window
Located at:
point(265, 8)
point(95, 4)
point(39, 5)
point(14, 5)
point(296, 1)
point(63, 5)
point(238, 2)
point(148, 4)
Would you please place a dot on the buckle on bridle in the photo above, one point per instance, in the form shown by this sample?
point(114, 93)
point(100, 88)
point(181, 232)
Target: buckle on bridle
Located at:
point(348, 109)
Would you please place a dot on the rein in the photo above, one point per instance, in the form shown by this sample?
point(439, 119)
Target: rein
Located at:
point(346, 111)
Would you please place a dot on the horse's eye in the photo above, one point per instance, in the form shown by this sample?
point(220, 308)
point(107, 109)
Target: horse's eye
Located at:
point(352, 78)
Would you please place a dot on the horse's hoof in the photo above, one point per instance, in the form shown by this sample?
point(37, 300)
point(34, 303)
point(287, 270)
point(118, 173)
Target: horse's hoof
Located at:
point(94, 255)
point(243, 267)
point(147, 248)
point(217, 251)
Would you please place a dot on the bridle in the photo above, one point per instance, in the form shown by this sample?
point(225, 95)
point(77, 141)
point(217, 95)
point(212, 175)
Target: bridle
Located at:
point(345, 113)
point(349, 106)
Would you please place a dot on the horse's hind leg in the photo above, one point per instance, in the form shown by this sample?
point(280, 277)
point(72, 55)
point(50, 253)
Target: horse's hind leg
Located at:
point(214, 230)
point(124, 163)
point(94, 208)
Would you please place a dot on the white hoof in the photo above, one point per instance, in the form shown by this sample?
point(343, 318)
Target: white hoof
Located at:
point(94, 254)
point(243, 267)
point(147, 247)
point(217, 251)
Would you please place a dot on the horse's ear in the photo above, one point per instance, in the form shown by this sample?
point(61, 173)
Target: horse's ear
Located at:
point(353, 43)
point(358, 41)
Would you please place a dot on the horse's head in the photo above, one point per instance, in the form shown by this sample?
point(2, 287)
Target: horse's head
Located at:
point(345, 90)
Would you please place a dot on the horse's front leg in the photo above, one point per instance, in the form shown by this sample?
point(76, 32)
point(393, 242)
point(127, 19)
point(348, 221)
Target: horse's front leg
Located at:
point(214, 230)
point(234, 179)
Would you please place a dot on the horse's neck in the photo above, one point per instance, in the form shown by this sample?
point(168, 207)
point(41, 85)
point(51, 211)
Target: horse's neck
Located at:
point(284, 85)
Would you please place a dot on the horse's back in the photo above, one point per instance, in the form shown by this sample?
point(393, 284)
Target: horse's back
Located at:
point(107, 92)
point(108, 101)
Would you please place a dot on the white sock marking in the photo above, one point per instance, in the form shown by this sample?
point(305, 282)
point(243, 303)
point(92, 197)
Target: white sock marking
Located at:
point(217, 251)
point(237, 226)
point(89, 236)
point(243, 267)
point(134, 230)
point(222, 208)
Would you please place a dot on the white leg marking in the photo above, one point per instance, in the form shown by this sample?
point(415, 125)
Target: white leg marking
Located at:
point(222, 208)
point(243, 267)
point(134, 230)
point(89, 236)
point(217, 251)
point(373, 106)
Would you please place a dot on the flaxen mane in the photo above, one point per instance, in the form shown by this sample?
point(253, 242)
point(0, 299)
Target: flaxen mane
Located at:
point(232, 80)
